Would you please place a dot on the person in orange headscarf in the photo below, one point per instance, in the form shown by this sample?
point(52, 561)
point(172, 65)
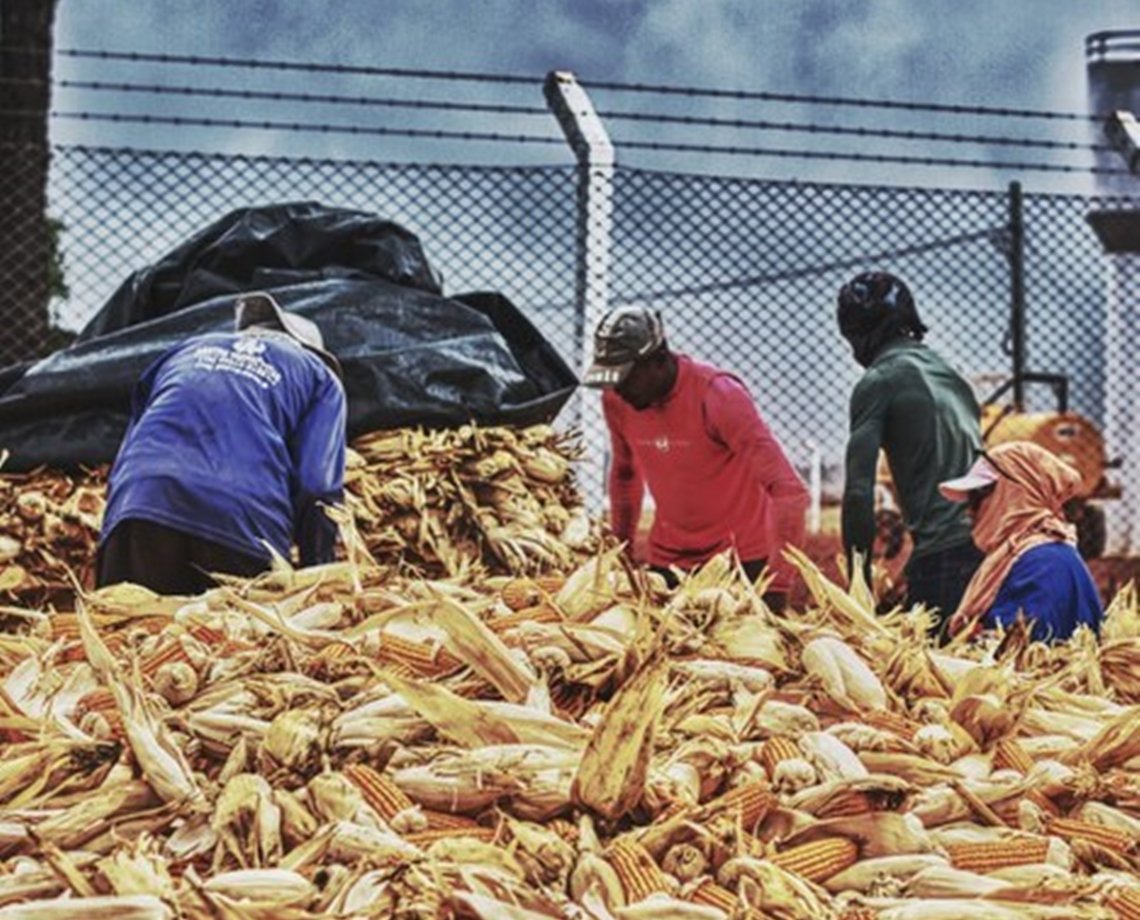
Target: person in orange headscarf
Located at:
point(1015, 495)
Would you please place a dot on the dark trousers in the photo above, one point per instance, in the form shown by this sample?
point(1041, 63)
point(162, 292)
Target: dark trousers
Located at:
point(166, 560)
point(938, 580)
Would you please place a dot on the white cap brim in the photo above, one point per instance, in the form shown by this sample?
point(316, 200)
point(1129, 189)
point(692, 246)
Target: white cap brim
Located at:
point(606, 376)
point(979, 476)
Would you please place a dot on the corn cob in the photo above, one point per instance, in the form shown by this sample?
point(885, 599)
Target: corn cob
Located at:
point(844, 804)
point(1001, 854)
point(101, 699)
point(419, 656)
point(711, 894)
point(1111, 838)
point(565, 829)
point(1010, 755)
point(776, 750)
point(1124, 902)
point(640, 876)
point(520, 593)
point(893, 722)
point(1042, 801)
point(385, 797)
point(172, 651)
point(428, 837)
point(207, 634)
point(752, 801)
point(539, 613)
point(550, 584)
point(818, 860)
point(399, 669)
point(442, 821)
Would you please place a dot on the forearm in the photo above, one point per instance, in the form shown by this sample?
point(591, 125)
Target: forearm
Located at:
point(627, 492)
point(315, 534)
point(788, 529)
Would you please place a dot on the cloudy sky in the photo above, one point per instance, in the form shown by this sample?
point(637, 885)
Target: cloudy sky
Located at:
point(1024, 54)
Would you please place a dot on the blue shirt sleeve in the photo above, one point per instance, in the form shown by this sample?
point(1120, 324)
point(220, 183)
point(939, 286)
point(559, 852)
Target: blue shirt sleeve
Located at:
point(1054, 588)
point(317, 448)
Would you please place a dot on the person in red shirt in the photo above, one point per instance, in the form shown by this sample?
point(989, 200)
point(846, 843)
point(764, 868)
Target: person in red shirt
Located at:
point(690, 432)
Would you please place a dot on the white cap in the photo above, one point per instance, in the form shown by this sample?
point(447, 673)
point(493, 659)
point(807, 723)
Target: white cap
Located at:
point(258, 308)
point(980, 475)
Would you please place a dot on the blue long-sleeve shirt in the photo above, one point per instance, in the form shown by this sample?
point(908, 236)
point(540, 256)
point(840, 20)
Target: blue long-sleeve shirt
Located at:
point(1052, 585)
point(237, 438)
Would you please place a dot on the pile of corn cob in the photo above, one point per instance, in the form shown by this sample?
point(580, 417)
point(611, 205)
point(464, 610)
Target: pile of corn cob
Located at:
point(441, 725)
point(470, 501)
point(347, 742)
point(467, 502)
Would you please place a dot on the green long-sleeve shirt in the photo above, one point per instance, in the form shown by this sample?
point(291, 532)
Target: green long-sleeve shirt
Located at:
point(921, 412)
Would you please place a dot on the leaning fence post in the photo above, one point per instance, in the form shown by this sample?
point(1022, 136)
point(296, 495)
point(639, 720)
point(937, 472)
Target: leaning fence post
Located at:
point(595, 154)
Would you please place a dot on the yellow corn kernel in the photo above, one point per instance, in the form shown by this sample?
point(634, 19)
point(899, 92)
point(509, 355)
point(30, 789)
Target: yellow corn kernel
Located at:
point(428, 837)
point(640, 876)
point(819, 860)
point(1111, 838)
point(385, 797)
point(776, 750)
point(1010, 755)
point(999, 854)
point(1124, 902)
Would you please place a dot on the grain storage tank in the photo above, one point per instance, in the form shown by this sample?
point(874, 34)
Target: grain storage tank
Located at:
point(1112, 61)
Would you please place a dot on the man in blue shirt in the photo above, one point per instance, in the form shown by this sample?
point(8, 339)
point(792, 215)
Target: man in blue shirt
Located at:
point(236, 443)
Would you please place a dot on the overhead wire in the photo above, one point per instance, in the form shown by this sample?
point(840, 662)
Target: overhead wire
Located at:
point(611, 115)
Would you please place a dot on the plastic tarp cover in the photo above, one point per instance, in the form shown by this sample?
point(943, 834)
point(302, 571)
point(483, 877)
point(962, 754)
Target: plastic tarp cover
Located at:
point(411, 357)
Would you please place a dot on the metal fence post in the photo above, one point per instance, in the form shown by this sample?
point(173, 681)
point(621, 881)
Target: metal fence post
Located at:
point(595, 154)
point(1017, 293)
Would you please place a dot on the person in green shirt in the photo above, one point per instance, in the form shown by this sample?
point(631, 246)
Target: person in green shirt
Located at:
point(924, 416)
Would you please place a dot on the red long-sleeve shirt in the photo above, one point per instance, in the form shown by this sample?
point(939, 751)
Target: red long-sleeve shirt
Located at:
point(718, 476)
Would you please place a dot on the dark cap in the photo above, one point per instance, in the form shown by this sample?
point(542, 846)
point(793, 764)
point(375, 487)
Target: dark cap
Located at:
point(260, 309)
point(624, 336)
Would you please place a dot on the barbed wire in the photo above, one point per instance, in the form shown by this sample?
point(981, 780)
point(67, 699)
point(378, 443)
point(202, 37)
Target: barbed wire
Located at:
point(504, 109)
point(900, 159)
point(306, 127)
point(656, 146)
point(822, 268)
point(306, 98)
point(410, 73)
point(662, 89)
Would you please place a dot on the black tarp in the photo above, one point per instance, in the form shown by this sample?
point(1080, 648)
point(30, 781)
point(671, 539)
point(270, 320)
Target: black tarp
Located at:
point(411, 356)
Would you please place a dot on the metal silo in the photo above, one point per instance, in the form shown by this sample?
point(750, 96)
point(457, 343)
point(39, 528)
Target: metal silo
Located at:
point(1112, 61)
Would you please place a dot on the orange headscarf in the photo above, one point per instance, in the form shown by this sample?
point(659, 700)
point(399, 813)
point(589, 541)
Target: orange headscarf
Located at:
point(1025, 510)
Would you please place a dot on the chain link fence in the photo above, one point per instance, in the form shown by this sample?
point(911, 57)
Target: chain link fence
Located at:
point(744, 271)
